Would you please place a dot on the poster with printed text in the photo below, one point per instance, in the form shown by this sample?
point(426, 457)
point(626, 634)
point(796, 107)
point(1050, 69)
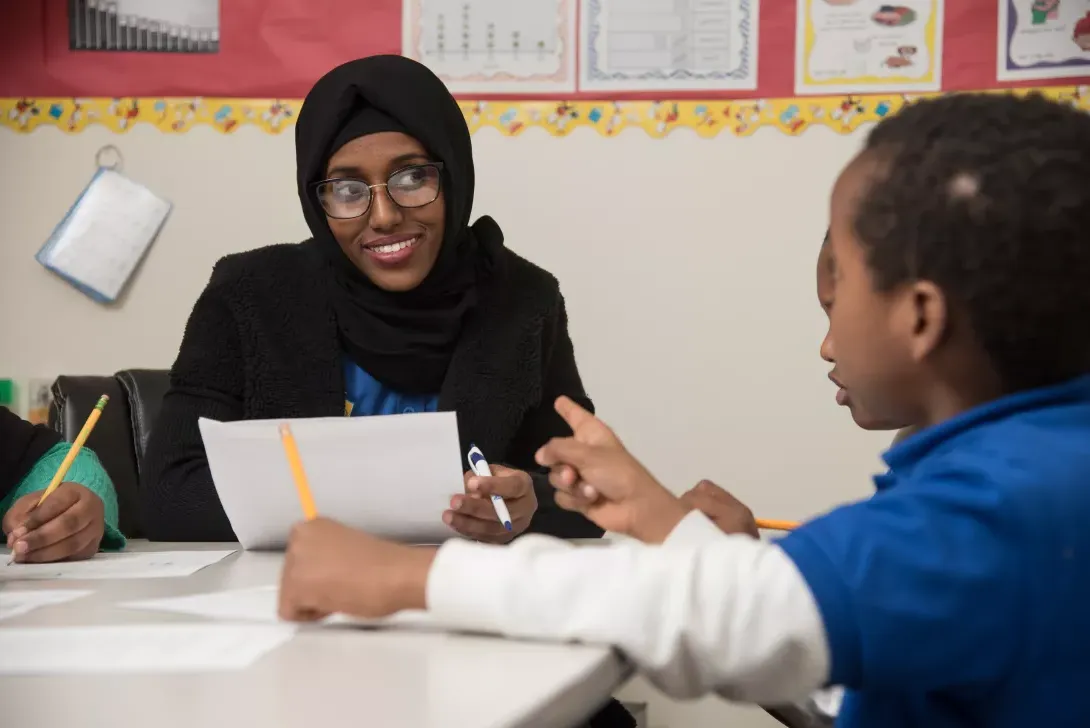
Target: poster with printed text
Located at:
point(865, 46)
point(668, 45)
point(1042, 39)
point(494, 46)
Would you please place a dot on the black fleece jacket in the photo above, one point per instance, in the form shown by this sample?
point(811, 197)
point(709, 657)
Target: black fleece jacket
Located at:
point(262, 343)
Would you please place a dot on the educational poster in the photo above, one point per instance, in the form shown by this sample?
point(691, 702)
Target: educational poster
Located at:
point(147, 26)
point(866, 46)
point(494, 46)
point(1040, 39)
point(668, 45)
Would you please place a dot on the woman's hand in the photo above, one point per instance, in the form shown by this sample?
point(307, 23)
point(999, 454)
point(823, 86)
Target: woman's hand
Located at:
point(596, 476)
point(330, 568)
point(472, 514)
point(725, 511)
point(67, 526)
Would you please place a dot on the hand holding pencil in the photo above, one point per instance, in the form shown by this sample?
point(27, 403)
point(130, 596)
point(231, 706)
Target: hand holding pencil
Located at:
point(64, 521)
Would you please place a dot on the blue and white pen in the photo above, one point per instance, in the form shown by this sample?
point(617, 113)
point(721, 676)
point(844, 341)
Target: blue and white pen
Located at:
point(479, 465)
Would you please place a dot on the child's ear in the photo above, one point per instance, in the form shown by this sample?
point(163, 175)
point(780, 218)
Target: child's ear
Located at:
point(931, 319)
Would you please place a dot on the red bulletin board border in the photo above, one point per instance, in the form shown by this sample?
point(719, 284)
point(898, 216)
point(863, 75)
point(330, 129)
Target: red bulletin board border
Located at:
point(278, 48)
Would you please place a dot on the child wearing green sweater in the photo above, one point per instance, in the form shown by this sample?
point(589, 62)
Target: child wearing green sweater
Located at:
point(77, 519)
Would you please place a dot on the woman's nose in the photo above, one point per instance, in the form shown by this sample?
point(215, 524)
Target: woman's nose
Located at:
point(385, 214)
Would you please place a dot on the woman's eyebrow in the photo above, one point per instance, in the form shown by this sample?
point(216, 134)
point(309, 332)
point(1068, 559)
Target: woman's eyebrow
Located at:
point(393, 165)
point(344, 172)
point(410, 157)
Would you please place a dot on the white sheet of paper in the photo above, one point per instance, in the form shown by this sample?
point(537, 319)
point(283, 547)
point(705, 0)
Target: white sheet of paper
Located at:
point(16, 603)
point(391, 476)
point(259, 605)
point(668, 45)
point(137, 648)
point(135, 565)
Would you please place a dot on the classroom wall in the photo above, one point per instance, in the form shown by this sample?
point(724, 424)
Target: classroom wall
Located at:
point(687, 264)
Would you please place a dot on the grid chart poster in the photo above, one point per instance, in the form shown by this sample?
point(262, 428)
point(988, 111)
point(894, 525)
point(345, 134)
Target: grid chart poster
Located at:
point(494, 46)
point(668, 45)
point(147, 26)
point(866, 46)
point(1043, 39)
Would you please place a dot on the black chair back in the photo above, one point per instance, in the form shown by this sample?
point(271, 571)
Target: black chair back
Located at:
point(122, 432)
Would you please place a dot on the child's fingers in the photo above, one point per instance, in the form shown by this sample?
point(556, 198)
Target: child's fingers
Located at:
point(57, 503)
point(570, 502)
point(563, 477)
point(63, 525)
point(75, 544)
point(574, 415)
point(565, 451)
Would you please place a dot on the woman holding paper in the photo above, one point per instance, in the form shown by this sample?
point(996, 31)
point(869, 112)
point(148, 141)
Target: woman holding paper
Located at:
point(77, 519)
point(396, 304)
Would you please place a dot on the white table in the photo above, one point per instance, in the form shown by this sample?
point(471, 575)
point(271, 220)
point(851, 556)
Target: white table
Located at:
point(324, 677)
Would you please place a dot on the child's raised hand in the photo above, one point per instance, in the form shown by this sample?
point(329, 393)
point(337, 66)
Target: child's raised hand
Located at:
point(596, 476)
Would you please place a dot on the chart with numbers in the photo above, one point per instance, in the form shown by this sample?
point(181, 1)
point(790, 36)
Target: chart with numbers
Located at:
point(494, 46)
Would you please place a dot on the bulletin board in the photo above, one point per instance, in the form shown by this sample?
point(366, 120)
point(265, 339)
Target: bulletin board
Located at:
point(775, 62)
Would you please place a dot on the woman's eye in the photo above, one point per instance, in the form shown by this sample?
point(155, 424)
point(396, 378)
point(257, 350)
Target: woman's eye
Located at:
point(411, 178)
point(348, 192)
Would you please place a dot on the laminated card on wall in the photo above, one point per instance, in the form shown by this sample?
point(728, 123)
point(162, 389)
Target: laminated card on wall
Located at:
point(104, 236)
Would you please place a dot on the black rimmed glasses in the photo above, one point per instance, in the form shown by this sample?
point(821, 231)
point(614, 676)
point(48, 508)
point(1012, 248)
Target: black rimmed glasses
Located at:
point(415, 186)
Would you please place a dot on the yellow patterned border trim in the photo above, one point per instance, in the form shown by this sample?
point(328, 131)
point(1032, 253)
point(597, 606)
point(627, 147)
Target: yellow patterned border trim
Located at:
point(843, 114)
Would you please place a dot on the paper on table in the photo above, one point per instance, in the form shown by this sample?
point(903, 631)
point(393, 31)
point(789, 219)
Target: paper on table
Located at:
point(136, 648)
point(391, 476)
point(135, 565)
point(259, 605)
point(16, 603)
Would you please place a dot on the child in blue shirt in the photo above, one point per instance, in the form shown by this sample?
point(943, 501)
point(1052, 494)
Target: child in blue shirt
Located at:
point(957, 595)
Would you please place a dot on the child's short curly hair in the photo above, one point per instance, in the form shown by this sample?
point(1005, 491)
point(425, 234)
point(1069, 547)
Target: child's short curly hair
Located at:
point(988, 196)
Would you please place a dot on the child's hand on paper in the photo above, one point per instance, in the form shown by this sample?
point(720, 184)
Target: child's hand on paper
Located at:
point(330, 568)
point(725, 511)
point(473, 516)
point(595, 475)
point(68, 525)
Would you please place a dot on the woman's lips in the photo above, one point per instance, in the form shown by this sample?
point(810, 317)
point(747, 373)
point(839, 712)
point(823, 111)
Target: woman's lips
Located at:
point(392, 251)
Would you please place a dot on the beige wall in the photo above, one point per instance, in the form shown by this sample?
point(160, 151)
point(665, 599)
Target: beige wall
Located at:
point(688, 266)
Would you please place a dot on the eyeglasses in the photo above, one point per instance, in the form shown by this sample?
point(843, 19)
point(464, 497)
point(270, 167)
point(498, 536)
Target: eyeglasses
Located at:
point(346, 198)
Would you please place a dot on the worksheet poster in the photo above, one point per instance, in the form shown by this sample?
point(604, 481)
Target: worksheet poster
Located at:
point(494, 46)
point(866, 46)
point(1042, 39)
point(668, 45)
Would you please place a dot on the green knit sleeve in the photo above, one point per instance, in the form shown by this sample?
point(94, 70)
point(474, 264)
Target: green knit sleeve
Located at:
point(86, 470)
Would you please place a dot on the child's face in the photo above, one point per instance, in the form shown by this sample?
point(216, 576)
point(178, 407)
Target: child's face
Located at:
point(826, 290)
point(876, 354)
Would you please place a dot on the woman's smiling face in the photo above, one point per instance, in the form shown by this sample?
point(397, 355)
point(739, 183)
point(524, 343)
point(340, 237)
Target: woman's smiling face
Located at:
point(392, 179)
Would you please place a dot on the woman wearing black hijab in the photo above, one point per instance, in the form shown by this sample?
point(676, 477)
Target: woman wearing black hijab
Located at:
point(396, 304)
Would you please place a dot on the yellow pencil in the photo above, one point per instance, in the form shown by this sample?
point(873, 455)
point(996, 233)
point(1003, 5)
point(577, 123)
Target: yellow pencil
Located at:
point(772, 525)
point(297, 472)
point(73, 451)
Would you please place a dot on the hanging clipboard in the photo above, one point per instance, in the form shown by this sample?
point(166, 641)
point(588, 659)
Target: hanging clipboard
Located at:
point(105, 234)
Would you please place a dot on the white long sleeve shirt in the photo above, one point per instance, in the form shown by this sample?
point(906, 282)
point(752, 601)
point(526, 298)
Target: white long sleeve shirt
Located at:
point(703, 613)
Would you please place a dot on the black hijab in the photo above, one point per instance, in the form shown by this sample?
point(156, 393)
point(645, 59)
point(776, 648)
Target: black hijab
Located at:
point(21, 446)
point(403, 339)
